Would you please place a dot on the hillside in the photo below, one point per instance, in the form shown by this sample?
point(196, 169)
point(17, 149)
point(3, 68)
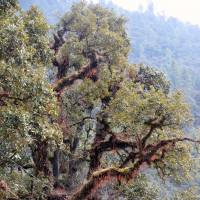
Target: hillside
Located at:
point(171, 46)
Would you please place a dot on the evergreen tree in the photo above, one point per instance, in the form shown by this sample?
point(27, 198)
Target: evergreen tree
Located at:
point(28, 106)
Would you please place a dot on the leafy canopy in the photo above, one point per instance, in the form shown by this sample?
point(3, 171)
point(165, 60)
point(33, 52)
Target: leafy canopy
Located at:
point(27, 101)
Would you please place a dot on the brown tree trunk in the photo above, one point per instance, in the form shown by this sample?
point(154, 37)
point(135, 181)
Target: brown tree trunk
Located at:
point(40, 158)
point(62, 69)
point(56, 164)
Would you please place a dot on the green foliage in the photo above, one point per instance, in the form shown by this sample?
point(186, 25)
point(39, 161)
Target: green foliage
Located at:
point(138, 107)
point(156, 41)
point(151, 77)
point(132, 108)
point(27, 99)
point(90, 28)
point(22, 186)
point(37, 29)
point(140, 189)
point(6, 6)
point(187, 194)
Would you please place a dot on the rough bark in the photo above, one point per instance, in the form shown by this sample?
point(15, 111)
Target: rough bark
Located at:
point(99, 148)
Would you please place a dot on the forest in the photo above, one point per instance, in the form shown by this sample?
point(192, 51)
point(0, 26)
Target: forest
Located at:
point(83, 117)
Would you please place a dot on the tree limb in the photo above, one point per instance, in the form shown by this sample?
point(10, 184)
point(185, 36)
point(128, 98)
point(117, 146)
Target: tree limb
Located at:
point(126, 173)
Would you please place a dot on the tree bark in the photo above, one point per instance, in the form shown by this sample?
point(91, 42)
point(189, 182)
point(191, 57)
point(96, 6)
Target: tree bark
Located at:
point(40, 158)
point(56, 164)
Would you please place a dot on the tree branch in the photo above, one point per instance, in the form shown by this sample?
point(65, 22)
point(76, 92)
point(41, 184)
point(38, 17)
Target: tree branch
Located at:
point(154, 123)
point(126, 173)
point(99, 148)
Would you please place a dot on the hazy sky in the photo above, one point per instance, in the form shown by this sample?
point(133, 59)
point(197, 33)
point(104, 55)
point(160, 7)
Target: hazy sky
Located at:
point(185, 10)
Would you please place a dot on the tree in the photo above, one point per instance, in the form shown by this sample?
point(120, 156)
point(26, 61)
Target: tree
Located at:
point(102, 120)
point(155, 41)
point(28, 106)
point(190, 194)
point(140, 189)
point(7, 5)
point(116, 117)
